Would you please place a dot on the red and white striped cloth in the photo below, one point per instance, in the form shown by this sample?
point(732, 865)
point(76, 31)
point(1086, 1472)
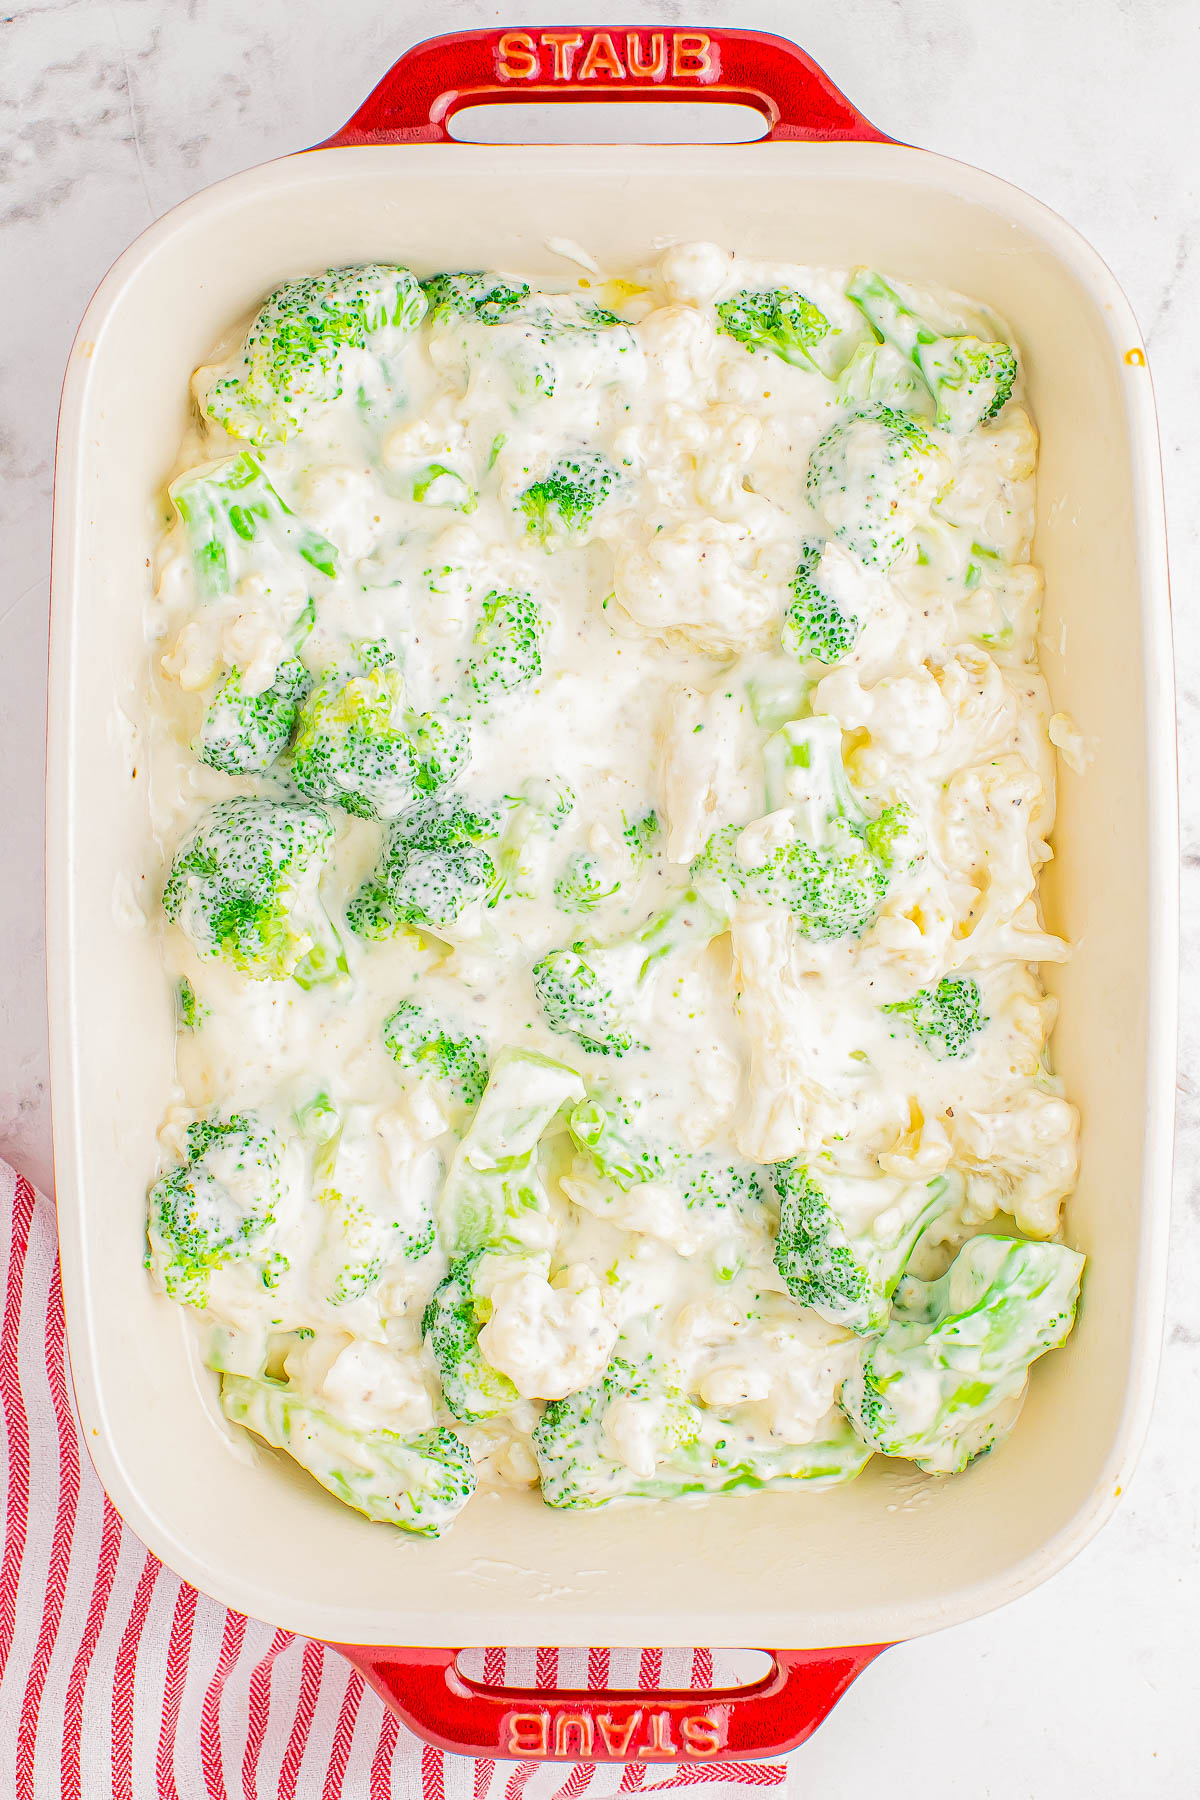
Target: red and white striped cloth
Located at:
point(118, 1681)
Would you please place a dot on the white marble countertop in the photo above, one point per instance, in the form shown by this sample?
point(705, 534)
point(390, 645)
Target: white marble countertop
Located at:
point(114, 112)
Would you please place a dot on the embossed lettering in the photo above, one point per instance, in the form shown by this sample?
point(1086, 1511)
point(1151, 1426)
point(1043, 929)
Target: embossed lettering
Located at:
point(658, 1744)
point(564, 45)
point(700, 1733)
point(656, 68)
point(691, 54)
point(608, 1731)
point(516, 57)
point(601, 59)
point(528, 1734)
point(572, 1736)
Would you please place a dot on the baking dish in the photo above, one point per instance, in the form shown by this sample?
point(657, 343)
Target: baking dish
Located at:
point(897, 1553)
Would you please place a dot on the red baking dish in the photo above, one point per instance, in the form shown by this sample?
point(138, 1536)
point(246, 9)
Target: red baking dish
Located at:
point(895, 1554)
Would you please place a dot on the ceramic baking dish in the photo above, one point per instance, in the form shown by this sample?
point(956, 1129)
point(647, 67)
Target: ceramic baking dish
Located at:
point(895, 1554)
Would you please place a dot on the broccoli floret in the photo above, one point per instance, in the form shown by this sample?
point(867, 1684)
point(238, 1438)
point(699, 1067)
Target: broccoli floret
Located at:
point(319, 1121)
point(420, 1483)
point(641, 836)
point(243, 733)
point(580, 888)
point(695, 1450)
point(359, 748)
point(604, 1128)
point(472, 1389)
point(877, 375)
point(566, 499)
point(433, 869)
point(568, 1439)
point(864, 473)
point(420, 1038)
point(895, 837)
point(358, 1242)
point(298, 353)
point(474, 292)
point(843, 1244)
point(778, 693)
point(493, 1198)
point(724, 1193)
point(244, 886)
point(780, 320)
point(356, 1245)
point(442, 746)
point(371, 915)
point(190, 1011)
point(508, 640)
point(436, 485)
point(526, 337)
point(946, 1018)
point(834, 872)
point(228, 505)
point(716, 1196)
point(494, 300)
point(970, 380)
point(218, 1207)
point(945, 1381)
point(536, 814)
point(591, 991)
point(815, 625)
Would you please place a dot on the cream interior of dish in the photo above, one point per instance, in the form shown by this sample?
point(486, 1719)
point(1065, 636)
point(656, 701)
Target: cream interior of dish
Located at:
point(558, 546)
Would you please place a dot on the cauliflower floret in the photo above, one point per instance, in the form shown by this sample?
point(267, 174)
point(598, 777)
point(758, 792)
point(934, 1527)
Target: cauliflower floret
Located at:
point(502, 1453)
point(343, 502)
point(710, 773)
point(1076, 750)
point(680, 349)
point(710, 584)
point(910, 943)
point(1020, 1157)
point(632, 1432)
point(549, 1341)
point(944, 715)
point(694, 273)
point(414, 1121)
point(731, 438)
point(920, 1150)
point(786, 1111)
point(907, 716)
point(253, 644)
point(370, 1385)
point(704, 1322)
point(1013, 442)
point(697, 460)
point(762, 837)
point(734, 1384)
point(654, 1209)
point(807, 1361)
point(195, 658)
point(437, 435)
point(987, 824)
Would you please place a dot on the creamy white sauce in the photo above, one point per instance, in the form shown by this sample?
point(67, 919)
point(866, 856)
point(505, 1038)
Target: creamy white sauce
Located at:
point(662, 680)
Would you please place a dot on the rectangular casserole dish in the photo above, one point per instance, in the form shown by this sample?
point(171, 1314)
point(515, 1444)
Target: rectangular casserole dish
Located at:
point(897, 1553)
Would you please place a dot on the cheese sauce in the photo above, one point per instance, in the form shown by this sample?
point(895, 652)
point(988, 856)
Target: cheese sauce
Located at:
point(665, 562)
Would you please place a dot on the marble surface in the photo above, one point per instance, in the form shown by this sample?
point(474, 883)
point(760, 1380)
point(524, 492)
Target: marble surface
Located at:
point(111, 113)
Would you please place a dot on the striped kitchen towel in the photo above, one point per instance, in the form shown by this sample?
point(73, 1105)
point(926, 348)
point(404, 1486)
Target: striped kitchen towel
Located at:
point(120, 1682)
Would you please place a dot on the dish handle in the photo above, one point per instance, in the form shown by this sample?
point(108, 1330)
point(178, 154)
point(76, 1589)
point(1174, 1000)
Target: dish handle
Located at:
point(428, 1692)
point(420, 94)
